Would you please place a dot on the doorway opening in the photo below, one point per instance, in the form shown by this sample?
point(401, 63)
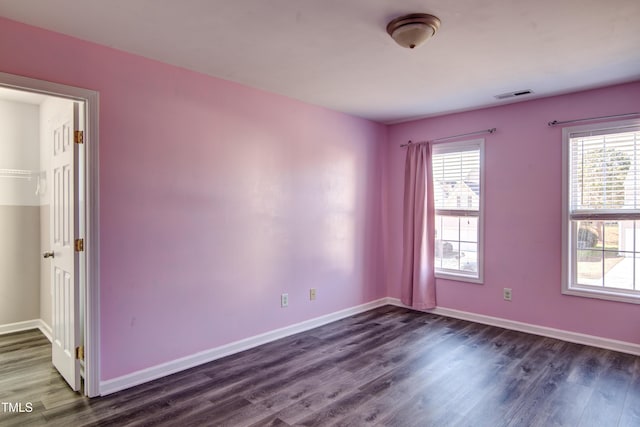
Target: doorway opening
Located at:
point(49, 218)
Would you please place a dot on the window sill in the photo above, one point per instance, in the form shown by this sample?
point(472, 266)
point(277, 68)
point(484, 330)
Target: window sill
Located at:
point(632, 298)
point(458, 277)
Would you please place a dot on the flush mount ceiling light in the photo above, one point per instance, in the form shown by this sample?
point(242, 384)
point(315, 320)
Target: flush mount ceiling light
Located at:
point(413, 30)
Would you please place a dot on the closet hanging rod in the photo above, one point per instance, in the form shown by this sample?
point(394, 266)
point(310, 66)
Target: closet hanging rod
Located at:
point(479, 132)
point(17, 173)
point(615, 116)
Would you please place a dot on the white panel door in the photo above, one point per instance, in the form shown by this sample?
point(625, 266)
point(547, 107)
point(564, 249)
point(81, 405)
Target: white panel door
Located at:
point(66, 331)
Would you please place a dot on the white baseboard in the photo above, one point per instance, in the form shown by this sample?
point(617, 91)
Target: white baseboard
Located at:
point(25, 326)
point(187, 362)
point(574, 337)
point(45, 329)
point(10, 328)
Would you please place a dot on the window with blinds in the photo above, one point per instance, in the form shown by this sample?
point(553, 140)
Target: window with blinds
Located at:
point(457, 189)
point(602, 220)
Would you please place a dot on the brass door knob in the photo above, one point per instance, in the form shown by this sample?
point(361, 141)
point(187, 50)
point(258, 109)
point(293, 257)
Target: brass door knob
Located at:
point(49, 254)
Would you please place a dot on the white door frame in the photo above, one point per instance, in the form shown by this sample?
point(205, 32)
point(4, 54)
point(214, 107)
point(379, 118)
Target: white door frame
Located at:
point(92, 233)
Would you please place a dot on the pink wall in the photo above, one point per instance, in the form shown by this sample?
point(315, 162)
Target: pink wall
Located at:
point(214, 199)
point(523, 164)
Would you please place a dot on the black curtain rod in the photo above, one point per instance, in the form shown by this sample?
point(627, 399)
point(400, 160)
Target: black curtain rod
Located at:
point(555, 122)
point(479, 132)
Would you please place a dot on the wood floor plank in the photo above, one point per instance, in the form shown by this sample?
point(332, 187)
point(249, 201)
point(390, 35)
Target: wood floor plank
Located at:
point(631, 411)
point(604, 408)
point(386, 367)
point(461, 392)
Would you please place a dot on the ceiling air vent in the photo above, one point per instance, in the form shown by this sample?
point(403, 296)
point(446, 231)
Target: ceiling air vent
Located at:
point(514, 94)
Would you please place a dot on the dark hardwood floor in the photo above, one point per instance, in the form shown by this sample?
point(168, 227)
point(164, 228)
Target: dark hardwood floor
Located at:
point(387, 367)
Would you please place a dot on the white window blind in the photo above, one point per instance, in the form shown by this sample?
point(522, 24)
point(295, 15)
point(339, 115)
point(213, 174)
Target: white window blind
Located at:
point(456, 177)
point(604, 179)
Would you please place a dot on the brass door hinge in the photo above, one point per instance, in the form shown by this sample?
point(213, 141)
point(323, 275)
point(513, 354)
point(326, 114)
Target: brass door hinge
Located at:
point(80, 352)
point(79, 245)
point(78, 137)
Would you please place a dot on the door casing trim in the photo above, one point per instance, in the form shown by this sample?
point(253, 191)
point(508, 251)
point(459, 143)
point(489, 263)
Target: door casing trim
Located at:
point(90, 100)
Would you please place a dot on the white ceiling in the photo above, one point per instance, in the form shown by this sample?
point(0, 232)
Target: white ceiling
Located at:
point(337, 54)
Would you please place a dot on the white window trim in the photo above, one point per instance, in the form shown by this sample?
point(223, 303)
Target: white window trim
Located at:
point(568, 288)
point(452, 147)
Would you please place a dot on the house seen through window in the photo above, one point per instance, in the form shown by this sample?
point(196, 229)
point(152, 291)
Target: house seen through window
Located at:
point(457, 177)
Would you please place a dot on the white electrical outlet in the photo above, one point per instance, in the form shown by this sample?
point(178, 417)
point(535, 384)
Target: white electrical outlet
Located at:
point(506, 294)
point(312, 294)
point(284, 300)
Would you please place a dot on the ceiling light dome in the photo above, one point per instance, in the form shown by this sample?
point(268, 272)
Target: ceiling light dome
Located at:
point(412, 30)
